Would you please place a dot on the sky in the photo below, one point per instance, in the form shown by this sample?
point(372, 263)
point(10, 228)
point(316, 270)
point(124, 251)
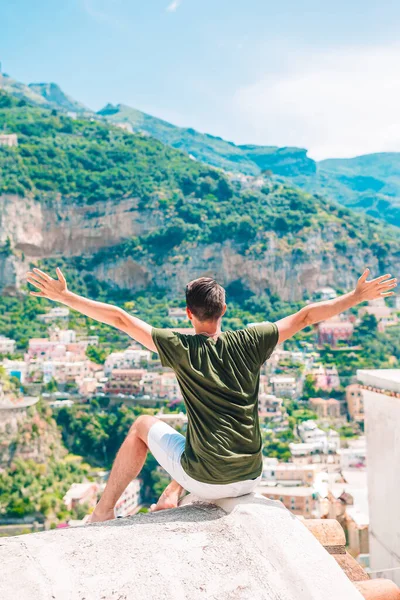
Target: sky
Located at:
point(316, 74)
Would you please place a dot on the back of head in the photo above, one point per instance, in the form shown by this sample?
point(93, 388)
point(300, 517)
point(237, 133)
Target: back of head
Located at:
point(205, 298)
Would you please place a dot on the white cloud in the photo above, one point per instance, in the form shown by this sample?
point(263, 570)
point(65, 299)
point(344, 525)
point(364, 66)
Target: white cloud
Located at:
point(104, 11)
point(335, 103)
point(173, 7)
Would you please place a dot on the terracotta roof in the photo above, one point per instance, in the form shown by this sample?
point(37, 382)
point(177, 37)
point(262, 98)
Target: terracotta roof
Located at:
point(330, 534)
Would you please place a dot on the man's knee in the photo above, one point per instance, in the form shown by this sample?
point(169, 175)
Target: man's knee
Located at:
point(141, 426)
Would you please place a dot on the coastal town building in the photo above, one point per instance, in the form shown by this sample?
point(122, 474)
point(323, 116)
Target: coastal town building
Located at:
point(381, 394)
point(7, 345)
point(384, 314)
point(129, 501)
point(82, 494)
point(288, 473)
point(324, 293)
point(8, 139)
point(334, 330)
point(56, 313)
point(177, 313)
point(326, 407)
point(284, 386)
point(355, 403)
point(125, 381)
point(315, 440)
point(125, 126)
point(325, 377)
point(300, 500)
point(16, 368)
point(355, 455)
point(173, 419)
point(132, 357)
point(270, 406)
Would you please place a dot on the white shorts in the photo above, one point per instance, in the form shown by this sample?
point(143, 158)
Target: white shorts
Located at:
point(167, 446)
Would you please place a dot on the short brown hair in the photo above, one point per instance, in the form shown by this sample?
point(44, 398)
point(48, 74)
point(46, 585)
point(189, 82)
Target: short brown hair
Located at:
point(205, 298)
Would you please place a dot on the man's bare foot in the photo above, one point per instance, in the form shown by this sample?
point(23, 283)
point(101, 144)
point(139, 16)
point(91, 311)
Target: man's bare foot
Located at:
point(166, 501)
point(98, 515)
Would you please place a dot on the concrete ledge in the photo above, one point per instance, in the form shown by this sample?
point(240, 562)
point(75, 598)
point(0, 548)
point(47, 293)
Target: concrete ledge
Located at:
point(248, 548)
point(379, 589)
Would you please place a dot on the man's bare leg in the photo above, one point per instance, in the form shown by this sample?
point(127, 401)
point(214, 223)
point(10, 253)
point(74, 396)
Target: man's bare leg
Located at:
point(169, 498)
point(127, 465)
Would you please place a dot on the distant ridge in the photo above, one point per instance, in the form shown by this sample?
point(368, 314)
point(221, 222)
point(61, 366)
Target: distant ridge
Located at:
point(54, 95)
point(368, 183)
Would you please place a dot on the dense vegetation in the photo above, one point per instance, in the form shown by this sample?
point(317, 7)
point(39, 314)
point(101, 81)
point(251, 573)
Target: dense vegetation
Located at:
point(97, 435)
point(88, 161)
point(369, 184)
point(37, 489)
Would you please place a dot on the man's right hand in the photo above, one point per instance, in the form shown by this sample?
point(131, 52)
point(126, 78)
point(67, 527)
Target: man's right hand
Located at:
point(370, 290)
point(53, 289)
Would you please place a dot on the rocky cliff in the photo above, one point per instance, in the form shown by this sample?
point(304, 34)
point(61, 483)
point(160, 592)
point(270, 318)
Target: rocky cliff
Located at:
point(68, 231)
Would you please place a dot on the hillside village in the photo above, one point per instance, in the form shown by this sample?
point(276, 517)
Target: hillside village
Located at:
point(312, 422)
point(69, 391)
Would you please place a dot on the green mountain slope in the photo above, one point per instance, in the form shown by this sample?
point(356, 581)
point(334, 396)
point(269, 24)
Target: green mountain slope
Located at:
point(138, 214)
point(249, 160)
point(203, 147)
point(369, 184)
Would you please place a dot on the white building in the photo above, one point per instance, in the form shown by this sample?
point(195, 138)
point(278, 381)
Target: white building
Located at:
point(173, 419)
point(8, 139)
point(65, 370)
point(325, 293)
point(284, 386)
point(320, 441)
point(58, 312)
point(355, 456)
point(16, 368)
point(7, 345)
point(125, 126)
point(81, 493)
point(381, 393)
point(179, 314)
point(128, 359)
point(271, 406)
point(129, 501)
point(64, 336)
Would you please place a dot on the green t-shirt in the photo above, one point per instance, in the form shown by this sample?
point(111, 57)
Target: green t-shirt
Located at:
point(219, 380)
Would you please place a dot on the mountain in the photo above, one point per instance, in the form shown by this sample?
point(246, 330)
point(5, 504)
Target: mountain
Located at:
point(54, 95)
point(215, 151)
point(138, 215)
point(46, 95)
point(369, 183)
point(21, 91)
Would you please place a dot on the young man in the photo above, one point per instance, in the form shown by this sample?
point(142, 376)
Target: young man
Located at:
point(218, 373)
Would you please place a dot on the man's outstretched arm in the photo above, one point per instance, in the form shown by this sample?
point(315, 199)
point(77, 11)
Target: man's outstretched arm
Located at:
point(56, 289)
point(320, 311)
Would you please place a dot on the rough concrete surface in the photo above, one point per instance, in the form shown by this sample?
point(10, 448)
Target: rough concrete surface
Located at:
point(248, 548)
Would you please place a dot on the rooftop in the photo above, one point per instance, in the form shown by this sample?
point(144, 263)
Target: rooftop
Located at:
point(244, 549)
point(386, 379)
point(285, 490)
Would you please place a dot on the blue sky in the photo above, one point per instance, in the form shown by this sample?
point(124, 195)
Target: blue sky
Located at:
point(310, 73)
